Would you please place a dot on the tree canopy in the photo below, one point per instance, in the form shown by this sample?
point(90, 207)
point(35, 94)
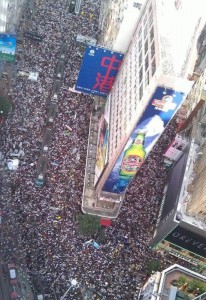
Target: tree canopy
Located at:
point(88, 224)
point(4, 106)
point(153, 266)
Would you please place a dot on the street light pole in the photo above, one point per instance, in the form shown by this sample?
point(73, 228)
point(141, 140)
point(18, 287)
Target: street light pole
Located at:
point(73, 284)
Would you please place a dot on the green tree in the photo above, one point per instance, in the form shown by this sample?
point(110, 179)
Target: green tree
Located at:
point(181, 280)
point(88, 224)
point(4, 106)
point(101, 236)
point(192, 285)
point(153, 266)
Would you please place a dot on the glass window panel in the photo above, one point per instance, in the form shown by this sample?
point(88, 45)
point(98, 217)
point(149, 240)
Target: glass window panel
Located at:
point(140, 33)
point(152, 49)
point(140, 44)
point(146, 62)
point(140, 91)
point(140, 59)
point(151, 34)
point(146, 78)
point(140, 74)
point(146, 46)
point(153, 66)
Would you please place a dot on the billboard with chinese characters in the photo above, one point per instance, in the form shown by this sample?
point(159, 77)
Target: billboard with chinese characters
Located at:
point(98, 71)
point(159, 111)
point(102, 144)
point(175, 149)
point(7, 47)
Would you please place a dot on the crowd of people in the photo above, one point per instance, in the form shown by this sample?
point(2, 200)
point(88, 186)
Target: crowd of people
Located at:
point(44, 219)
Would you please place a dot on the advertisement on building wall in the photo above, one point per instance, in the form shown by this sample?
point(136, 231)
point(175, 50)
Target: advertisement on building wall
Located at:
point(98, 71)
point(176, 148)
point(187, 240)
point(102, 144)
point(159, 111)
point(7, 47)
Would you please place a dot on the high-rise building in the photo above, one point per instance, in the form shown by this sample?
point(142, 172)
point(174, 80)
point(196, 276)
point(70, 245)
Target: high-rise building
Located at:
point(10, 14)
point(181, 224)
point(118, 21)
point(150, 86)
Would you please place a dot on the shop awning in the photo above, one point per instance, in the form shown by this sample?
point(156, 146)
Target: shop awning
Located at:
point(105, 222)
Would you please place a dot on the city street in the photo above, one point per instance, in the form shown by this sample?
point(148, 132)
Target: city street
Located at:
point(47, 128)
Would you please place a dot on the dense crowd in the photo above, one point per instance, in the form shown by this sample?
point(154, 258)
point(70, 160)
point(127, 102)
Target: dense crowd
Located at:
point(49, 244)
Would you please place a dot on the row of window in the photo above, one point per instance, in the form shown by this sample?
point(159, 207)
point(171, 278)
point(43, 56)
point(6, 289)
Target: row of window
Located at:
point(137, 69)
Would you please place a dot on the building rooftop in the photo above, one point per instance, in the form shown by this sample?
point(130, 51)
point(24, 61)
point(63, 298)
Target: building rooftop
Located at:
point(168, 285)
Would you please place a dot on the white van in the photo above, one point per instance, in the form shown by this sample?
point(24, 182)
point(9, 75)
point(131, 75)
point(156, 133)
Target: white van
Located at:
point(12, 273)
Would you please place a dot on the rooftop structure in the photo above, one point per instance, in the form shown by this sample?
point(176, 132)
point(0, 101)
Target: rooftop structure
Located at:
point(174, 283)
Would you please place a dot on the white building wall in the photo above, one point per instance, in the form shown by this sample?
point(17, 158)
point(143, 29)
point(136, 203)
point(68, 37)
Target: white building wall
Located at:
point(3, 14)
point(128, 23)
point(178, 30)
point(10, 12)
point(120, 21)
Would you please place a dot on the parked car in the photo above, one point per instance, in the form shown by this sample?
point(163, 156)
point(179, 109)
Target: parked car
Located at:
point(12, 273)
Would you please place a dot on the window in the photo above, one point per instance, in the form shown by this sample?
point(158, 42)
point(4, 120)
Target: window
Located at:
point(140, 74)
point(151, 34)
point(139, 45)
point(141, 91)
point(140, 34)
point(152, 50)
point(146, 46)
point(137, 5)
point(150, 20)
point(140, 58)
point(145, 31)
point(153, 66)
point(178, 4)
point(146, 63)
point(146, 78)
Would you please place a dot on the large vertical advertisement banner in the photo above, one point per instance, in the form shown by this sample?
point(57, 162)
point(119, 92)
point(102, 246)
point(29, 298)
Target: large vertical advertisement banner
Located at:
point(102, 144)
point(98, 71)
point(159, 111)
point(7, 47)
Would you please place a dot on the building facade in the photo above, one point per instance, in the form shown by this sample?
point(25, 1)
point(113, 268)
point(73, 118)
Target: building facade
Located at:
point(181, 223)
point(118, 21)
point(10, 14)
point(150, 86)
point(197, 203)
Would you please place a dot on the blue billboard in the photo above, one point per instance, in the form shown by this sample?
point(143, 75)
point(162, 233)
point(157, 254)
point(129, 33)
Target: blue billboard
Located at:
point(7, 47)
point(159, 111)
point(98, 71)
